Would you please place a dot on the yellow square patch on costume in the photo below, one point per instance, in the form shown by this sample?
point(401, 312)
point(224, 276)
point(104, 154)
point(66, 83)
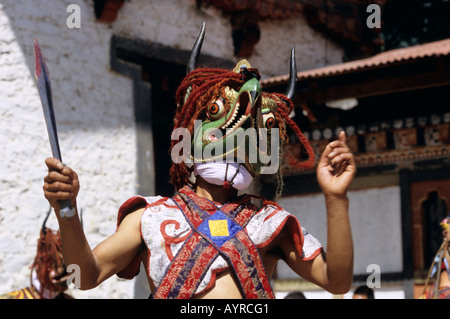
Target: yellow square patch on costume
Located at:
point(218, 227)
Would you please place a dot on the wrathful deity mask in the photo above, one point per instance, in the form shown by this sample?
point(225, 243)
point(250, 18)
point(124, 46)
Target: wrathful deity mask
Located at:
point(240, 127)
point(224, 116)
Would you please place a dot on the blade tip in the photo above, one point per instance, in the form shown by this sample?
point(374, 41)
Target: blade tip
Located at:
point(37, 54)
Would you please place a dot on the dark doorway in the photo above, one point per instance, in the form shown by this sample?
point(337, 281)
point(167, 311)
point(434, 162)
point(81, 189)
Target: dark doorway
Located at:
point(155, 111)
point(429, 196)
point(164, 78)
point(434, 211)
point(156, 71)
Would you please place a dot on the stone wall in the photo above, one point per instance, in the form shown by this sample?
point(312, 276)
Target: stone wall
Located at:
point(94, 110)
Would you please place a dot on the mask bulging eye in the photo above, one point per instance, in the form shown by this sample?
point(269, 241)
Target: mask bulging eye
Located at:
point(269, 120)
point(216, 110)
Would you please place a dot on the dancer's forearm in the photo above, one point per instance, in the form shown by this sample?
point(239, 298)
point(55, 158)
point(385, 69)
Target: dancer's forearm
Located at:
point(339, 255)
point(76, 251)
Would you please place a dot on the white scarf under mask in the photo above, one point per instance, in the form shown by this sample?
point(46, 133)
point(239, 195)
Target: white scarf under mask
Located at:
point(216, 172)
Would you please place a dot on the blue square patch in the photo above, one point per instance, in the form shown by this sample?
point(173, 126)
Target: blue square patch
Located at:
point(219, 228)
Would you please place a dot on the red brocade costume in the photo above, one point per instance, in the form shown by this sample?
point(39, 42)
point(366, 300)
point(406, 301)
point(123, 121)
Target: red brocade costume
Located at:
point(190, 239)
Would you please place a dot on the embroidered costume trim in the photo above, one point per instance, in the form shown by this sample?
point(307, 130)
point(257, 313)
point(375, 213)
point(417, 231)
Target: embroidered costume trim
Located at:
point(166, 229)
point(214, 235)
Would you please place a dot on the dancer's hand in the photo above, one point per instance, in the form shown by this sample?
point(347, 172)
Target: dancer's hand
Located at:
point(61, 183)
point(336, 168)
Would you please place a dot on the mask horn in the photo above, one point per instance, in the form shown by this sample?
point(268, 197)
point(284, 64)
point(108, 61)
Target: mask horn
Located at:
point(290, 92)
point(43, 228)
point(195, 53)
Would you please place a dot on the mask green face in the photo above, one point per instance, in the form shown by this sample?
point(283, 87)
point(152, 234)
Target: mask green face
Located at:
point(240, 126)
point(225, 116)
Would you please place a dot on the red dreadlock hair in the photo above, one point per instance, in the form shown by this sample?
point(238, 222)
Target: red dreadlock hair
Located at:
point(49, 258)
point(284, 108)
point(199, 88)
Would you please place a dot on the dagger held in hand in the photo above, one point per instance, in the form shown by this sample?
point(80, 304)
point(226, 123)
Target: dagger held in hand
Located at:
point(45, 93)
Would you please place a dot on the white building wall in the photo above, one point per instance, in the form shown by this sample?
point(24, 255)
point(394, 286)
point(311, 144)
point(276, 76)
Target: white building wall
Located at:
point(94, 109)
point(96, 128)
point(375, 216)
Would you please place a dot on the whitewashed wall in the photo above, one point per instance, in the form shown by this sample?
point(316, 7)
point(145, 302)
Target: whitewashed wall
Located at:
point(371, 238)
point(94, 109)
point(96, 126)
